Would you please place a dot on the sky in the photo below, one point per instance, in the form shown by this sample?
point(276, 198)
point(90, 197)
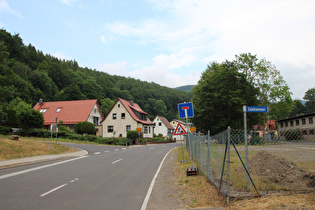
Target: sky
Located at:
point(170, 42)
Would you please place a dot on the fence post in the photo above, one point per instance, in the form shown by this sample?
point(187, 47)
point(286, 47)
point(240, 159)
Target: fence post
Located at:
point(228, 166)
point(209, 156)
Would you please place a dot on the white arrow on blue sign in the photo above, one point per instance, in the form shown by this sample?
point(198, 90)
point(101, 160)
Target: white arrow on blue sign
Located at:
point(185, 108)
point(256, 109)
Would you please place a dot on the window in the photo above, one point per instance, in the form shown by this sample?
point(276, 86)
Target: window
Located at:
point(128, 128)
point(114, 116)
point(160, 124)
point(304, 132)
point(58, 110)
point(145, 129)
point(281, 124)
point(118, 105)
point(291, 123)
point(95, 120)
point(297, 122)
point(310, 120)
point(110, 129)
point(286, 124)
point(303, 121)
point(123, 115)
point(43, 110)
point(311, 131)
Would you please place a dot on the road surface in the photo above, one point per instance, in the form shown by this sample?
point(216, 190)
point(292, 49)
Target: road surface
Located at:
point(109, 177)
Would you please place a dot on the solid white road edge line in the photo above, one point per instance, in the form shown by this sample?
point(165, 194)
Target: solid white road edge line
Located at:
point(50, 191)
point(147, 197)
point(37, 168)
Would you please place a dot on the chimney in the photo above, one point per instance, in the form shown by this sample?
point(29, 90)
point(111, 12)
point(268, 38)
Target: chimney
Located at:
point(40, 102)
point(131, 101)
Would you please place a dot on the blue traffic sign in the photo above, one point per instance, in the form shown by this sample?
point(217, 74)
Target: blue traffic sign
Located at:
point(256, 109)
point(185, 108)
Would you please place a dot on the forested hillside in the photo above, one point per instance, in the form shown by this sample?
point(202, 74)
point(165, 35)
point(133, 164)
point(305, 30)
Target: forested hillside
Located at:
point(30, 74)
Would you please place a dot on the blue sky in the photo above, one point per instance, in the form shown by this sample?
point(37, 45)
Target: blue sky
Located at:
point(170, 42)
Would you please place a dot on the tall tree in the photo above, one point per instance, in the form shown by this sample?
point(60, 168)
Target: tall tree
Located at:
point(310, 100)
point(274, 91)
point(219, 98)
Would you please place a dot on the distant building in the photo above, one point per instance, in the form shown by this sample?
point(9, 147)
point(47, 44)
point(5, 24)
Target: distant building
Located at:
point(71, 112)
point(304, 123)
point(163, 127)
point(125, 116)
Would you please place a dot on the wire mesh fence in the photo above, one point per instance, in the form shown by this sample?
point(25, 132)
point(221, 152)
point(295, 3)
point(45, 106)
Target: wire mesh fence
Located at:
point(242, 164)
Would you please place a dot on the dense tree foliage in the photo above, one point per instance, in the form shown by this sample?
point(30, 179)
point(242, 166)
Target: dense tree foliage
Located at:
point(274, 91)
point(310, 100)
point(219, 98)
point(30, 75)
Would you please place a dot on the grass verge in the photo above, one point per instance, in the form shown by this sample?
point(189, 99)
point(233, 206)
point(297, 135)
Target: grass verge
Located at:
point(27, 147)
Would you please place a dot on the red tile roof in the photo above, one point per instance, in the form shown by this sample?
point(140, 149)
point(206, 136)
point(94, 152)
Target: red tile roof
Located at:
point(166, 122)
point(130, 109)
point(71, 112)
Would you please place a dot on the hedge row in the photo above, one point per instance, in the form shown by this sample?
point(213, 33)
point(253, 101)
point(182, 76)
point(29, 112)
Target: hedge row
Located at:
point(42, 133)
point(5, 130)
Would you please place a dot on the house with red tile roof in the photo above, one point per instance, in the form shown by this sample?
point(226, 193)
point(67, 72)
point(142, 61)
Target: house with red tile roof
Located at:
point(71, 112)
point(125, 116)
point(163, 127)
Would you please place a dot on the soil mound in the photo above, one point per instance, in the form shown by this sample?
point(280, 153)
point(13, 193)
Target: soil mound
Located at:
point(275, 170)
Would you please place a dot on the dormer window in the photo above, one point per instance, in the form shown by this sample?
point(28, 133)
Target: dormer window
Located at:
point(58, 110)
point(43, 110)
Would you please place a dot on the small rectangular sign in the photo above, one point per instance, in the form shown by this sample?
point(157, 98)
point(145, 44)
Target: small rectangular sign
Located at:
point(256, 109)
point(185, 108)
point(139, 129)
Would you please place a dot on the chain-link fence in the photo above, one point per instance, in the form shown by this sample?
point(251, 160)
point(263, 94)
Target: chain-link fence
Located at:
point(251, 163)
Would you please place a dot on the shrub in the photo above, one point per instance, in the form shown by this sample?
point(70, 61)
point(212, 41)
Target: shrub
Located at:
point(5, 130)
point(84, 127)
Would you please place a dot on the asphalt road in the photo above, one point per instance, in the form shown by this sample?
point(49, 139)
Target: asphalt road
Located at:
point(108, 177)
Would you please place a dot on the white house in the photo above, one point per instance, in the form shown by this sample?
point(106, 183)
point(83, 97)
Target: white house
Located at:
point(163, 127)
point(125, 116)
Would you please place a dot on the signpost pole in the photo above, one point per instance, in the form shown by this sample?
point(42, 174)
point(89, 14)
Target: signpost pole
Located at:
point(246, 144)
point(188, 138)
point(56, 128)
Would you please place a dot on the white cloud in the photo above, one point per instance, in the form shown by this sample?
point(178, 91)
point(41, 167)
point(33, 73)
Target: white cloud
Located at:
point(5, 7)
point(119, 68)
point(68, 2)
point(61, 55)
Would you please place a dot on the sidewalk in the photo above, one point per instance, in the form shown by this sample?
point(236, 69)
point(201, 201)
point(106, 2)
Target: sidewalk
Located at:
point(40, 158)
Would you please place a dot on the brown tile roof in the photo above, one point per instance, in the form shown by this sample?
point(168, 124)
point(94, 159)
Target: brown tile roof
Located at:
point(166, 122)
point(130, 109)
point(71, 112)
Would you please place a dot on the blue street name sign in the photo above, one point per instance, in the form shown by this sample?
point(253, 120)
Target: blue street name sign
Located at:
point(256, 109)
point(185, 108)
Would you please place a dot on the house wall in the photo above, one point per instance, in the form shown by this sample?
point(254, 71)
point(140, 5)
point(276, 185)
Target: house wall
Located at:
point(95, 116)
point(123, 119)
point(159, 127)
point(305, 124)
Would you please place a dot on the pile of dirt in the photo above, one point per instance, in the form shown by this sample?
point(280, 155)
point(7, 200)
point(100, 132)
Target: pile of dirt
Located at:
point(275, 170)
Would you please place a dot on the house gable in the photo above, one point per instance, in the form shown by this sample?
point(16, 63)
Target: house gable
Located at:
point(123, 116)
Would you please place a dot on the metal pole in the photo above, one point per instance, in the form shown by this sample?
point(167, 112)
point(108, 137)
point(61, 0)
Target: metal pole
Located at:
point(209, 156)
point(246, 145)
point(56, 128)
point(228, 166)
point(188, 137)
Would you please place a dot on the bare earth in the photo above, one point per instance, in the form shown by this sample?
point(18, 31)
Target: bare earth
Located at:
point(172, 191)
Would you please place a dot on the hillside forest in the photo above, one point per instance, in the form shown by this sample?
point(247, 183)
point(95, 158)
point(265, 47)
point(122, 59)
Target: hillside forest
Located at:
point(29, 74)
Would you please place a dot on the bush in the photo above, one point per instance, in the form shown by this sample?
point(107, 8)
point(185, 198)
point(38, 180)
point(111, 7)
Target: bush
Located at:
point(5, 130)
point(292, 134)
point(84, 127)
